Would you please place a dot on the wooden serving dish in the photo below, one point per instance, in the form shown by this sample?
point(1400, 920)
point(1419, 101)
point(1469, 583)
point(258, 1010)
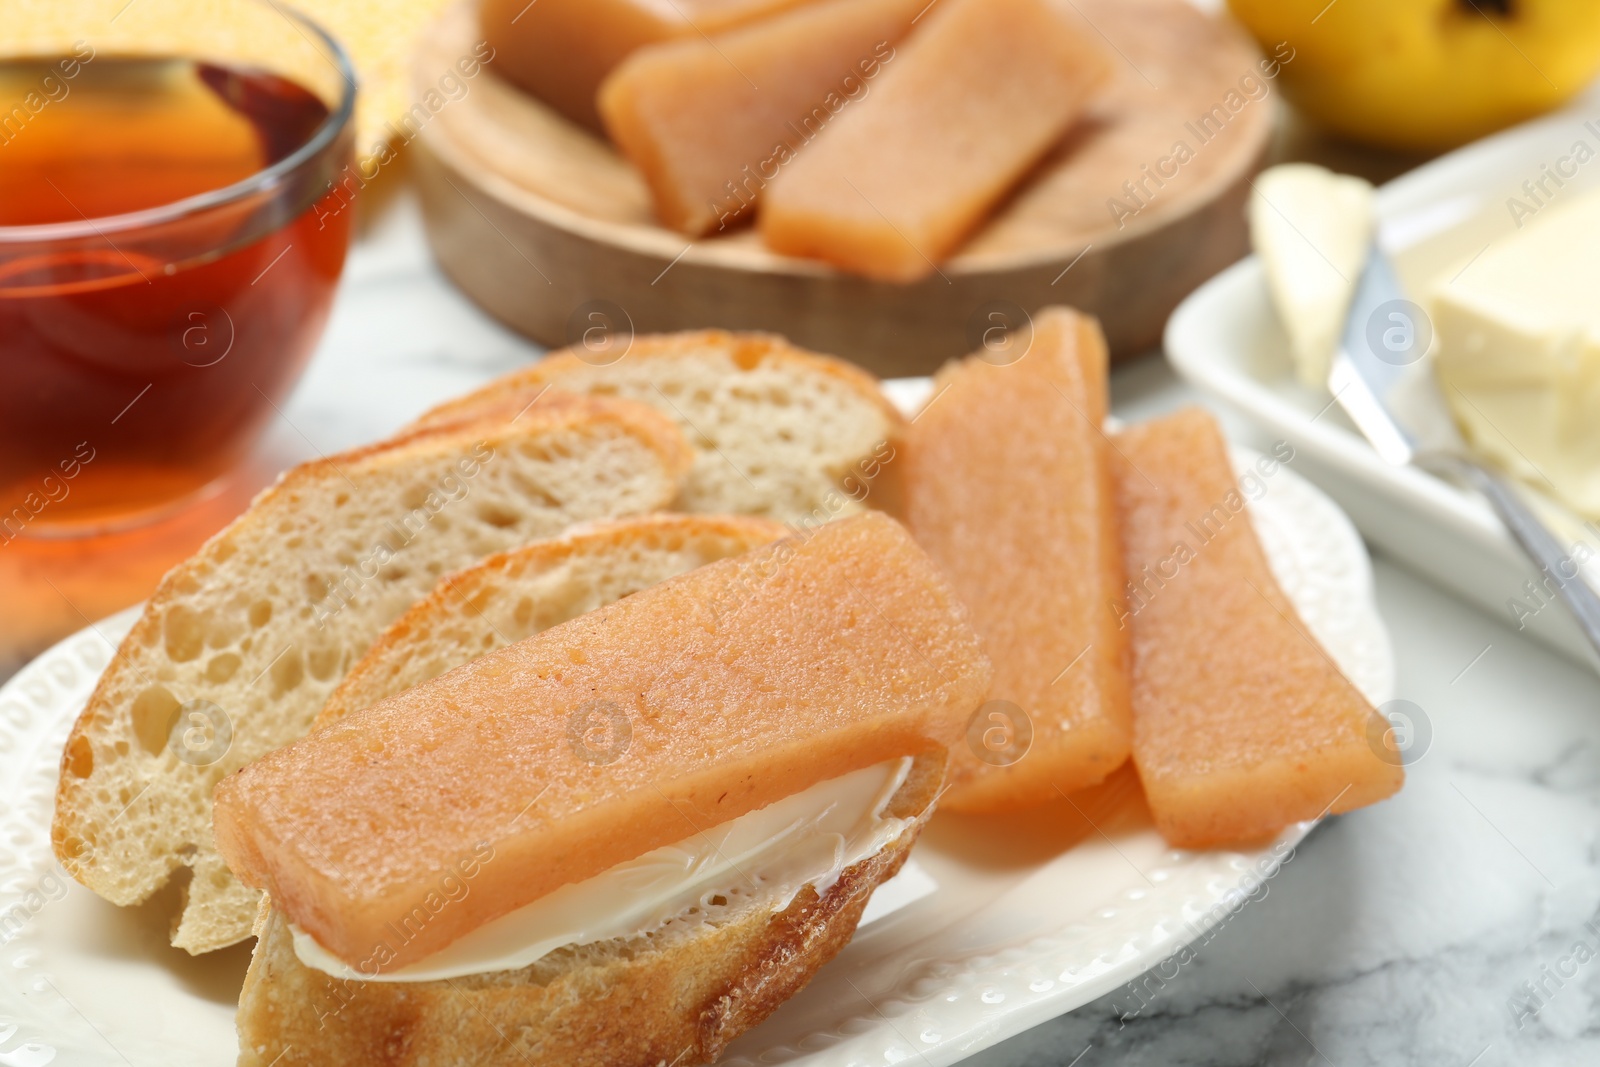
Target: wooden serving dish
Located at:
point(551, 230)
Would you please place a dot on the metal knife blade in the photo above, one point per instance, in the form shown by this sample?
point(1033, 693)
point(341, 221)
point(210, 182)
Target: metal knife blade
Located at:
point(1379, 375)
point(1389, 390)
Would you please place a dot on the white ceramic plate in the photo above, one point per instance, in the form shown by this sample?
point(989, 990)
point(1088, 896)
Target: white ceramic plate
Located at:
point(1020, 929)
point(1226, 340)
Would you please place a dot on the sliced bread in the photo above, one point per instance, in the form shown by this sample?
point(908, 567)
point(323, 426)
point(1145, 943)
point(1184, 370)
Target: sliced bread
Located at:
point(676, 995)
point(237, 650)
point(777, 431)
point(514, 594)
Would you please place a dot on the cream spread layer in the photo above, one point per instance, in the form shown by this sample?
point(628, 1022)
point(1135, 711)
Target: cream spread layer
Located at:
point(808, 838)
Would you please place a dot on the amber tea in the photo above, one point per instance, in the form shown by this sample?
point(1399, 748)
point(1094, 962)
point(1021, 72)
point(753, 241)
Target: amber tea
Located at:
point(164, 274)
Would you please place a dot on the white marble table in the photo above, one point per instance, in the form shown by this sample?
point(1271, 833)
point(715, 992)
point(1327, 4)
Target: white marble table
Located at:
point(1403, 934)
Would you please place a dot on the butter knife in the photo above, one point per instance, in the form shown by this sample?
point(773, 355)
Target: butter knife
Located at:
point(1392, 396)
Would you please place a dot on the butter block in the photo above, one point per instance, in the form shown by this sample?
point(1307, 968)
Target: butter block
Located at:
point(561, 50)
point(978, 93)
point(710, 120)
point(1517, 351)
point(1312, 229)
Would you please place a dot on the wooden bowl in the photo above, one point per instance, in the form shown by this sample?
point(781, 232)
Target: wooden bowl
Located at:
point(551, 230)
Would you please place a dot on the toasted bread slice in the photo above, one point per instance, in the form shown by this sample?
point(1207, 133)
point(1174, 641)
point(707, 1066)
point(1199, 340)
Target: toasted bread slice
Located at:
point(627, 729)
point(515, 594)
point(239, 647)
point(778, 431)
point(677, 995)
point(1008, 488)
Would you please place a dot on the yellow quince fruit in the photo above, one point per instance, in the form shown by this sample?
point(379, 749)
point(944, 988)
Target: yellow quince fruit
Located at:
point(1427, 74)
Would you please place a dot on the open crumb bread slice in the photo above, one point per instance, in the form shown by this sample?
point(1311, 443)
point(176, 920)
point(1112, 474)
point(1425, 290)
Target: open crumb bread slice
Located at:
point(241, 644)
point(520, 592)
point(778, 431)
point(677, 995)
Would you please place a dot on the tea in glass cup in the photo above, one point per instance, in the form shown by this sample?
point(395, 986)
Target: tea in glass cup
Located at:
point(170, 242)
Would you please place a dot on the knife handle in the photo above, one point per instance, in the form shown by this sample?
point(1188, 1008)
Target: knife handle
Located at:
point(1537, 540)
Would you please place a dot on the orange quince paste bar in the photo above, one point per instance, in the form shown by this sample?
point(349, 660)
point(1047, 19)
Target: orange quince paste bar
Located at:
point(627, 729)
point(980, 90)
point(711, 120)
point(1008, 488)
point(1241, 723)
point(561, 50)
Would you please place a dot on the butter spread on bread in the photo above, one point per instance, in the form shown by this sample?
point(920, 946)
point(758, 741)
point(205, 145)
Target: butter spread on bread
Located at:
point(677, 994)
point(807, 839)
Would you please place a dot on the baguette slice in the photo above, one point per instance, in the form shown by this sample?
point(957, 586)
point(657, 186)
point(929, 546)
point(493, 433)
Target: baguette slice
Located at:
point(515, 594)
point(260, 625)
point(675, 996)
point(627, 729)
point(777, 431)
